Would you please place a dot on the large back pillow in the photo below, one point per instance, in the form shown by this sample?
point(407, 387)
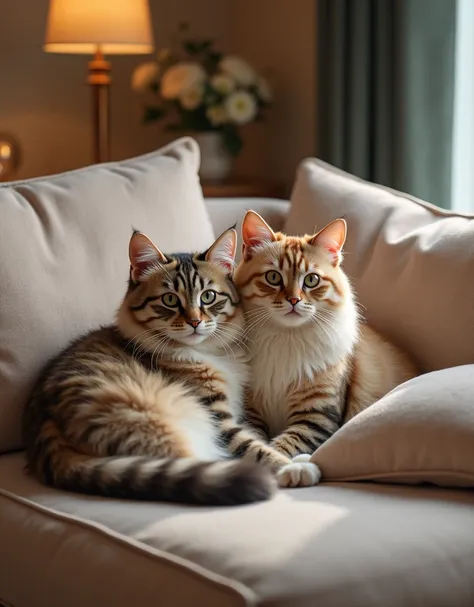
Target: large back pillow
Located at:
point(412, 264)
point(64, 255)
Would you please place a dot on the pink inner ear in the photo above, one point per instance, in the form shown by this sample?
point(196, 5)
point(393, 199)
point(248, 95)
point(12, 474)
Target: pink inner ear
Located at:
point(333, 249)
point(255, 231)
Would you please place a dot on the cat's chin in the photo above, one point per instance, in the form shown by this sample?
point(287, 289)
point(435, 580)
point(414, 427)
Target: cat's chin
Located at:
point(291, 320)
point(194, 339)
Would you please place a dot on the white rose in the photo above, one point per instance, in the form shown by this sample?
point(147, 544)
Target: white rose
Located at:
point(181, 77)
point(144, 76)
point(191, 98)
point(217, 115)
point(239, 69)
point(223, 84)
point(241, 107)
point(264, 90)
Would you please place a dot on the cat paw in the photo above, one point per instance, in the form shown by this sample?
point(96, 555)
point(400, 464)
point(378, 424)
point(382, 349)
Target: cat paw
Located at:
point(305, 474)
point(302, 457)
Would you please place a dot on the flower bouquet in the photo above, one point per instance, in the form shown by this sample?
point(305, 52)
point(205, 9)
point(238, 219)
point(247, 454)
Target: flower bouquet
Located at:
point(200, 90)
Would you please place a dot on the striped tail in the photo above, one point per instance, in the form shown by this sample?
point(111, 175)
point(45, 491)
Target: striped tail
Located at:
point(189, 481)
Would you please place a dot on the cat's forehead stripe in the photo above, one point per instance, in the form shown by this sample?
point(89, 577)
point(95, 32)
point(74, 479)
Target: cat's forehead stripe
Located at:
point(294, 255)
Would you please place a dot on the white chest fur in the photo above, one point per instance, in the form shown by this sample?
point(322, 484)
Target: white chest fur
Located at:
point(199, 425)
point(283, 358)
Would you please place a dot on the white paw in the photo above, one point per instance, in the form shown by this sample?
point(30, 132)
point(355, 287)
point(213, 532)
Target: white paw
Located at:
point(302, 457)
point(303, 474)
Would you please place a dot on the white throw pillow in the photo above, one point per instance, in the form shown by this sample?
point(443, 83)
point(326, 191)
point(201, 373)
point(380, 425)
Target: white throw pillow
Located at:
point(421, 432)
point(64, 255)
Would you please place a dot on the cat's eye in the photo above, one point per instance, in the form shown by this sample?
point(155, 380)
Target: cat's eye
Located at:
point(208, 297)
point(273, 278)
point(170, 299)
point(311, 281)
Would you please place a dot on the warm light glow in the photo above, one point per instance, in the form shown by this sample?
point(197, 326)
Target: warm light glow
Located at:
point(5, 151)
point(116, 26)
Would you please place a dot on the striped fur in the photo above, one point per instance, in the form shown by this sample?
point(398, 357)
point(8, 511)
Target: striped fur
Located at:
point(149, 408)
point(314, 365)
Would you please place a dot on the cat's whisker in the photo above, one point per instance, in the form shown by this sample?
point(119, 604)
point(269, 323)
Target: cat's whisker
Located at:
point(328, 322)
point(254, 321)
point(239, 343)
point(142, 348)
point(320, 324)
point(160, 349)
point(239, 332)
point(223, 344)
point(253, 326)
point(137, 336)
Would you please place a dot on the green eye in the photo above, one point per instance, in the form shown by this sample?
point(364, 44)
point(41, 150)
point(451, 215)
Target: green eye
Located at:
point(170, 300)
point(311, 281)
point(208, 297)
point(273, 278)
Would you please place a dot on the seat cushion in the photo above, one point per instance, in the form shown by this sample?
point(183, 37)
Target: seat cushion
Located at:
point(335, 545)
point(64, 255)
point(412, 264)
point(421, 432)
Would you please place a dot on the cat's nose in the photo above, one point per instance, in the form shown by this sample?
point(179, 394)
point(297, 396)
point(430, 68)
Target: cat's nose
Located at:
point(294, 300)
point(194, 322)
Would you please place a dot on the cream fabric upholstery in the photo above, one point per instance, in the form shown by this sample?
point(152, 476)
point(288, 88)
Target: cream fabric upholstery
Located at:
point(336, 545)
point(422, 432)
point(225, 212)
point(64, 255)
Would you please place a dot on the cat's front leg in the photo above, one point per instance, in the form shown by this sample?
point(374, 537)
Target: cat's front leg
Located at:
point(314, 414)
point(254, 419)
point(244, 443)
point(238, 439)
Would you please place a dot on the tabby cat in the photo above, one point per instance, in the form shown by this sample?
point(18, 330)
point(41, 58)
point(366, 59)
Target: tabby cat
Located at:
point(314, 364)
point(148, 408)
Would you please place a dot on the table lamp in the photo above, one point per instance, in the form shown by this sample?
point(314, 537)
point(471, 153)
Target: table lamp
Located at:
point(99, 27)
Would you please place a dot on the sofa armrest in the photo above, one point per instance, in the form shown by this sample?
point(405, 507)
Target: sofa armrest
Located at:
point(224, 212)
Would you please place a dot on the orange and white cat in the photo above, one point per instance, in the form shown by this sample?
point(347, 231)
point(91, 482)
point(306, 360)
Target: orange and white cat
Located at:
point(314, 365)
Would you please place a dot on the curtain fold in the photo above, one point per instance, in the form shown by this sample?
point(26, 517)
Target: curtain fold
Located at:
point(386, 91)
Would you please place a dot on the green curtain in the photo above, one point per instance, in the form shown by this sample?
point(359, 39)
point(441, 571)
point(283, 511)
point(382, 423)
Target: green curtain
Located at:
point(385, 92)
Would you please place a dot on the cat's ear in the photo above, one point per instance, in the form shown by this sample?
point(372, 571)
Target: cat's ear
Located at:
point(332, 239)
point(222, 252)
point(143, 255)
point(255, 232)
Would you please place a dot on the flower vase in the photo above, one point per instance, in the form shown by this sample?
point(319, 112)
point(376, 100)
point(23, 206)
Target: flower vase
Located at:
point(216, 162)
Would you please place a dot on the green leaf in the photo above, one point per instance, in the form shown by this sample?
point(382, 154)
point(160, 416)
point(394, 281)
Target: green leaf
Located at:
point(197, 47)
point(190, 47)
point(232, 140)
point(173, 126)
point(152, 113)
point(211, 61)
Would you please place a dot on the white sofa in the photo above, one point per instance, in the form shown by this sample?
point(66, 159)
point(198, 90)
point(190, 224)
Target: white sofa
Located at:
point(339, 544)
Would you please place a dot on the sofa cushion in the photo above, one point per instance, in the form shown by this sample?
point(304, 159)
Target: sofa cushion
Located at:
point(412, 264)
point(421, 432)
point(351, 545)
point(64, 255)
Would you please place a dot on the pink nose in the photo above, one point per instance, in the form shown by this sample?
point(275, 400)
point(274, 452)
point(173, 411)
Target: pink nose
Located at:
point(294, 300)
point(194, 322)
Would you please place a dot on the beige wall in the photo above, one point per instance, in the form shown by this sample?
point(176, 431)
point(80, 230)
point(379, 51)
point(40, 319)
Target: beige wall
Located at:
point(44, 100)
point(280, 35)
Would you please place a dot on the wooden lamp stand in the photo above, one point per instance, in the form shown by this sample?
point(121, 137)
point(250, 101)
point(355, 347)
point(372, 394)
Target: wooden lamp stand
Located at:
point(99, 79)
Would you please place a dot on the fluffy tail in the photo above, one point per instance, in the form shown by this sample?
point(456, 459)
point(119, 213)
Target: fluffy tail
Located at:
point(190, 481)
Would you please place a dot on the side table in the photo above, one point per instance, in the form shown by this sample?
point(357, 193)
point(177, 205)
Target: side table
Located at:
point(244, 187)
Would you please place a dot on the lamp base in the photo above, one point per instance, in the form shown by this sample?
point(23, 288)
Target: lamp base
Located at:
point(99, 79)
